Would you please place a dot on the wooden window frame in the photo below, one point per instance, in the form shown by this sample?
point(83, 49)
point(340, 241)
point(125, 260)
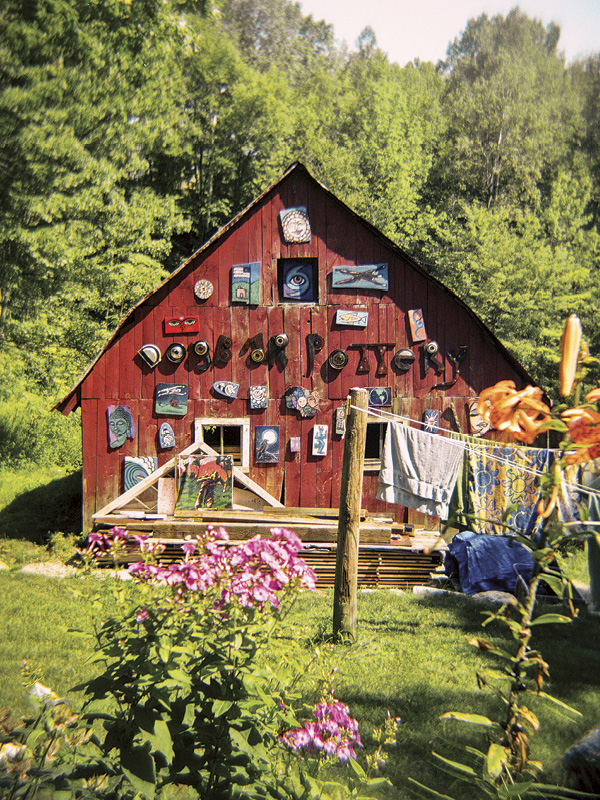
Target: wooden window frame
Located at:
point(228, 422)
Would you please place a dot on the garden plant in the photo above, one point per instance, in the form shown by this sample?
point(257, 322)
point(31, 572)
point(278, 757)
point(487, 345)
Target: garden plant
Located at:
point(503, 768)
point(181, 699)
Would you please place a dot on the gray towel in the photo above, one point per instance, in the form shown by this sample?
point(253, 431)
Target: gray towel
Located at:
point(419, 470)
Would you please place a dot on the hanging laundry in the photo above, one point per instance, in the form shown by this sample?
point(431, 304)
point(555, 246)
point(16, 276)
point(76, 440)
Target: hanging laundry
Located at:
point(498, 489)
point(418, 469)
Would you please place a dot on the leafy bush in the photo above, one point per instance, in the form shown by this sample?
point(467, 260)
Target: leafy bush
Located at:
point(29, 430)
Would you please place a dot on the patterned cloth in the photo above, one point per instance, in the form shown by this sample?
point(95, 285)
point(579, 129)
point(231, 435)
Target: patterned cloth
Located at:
point(498, 488)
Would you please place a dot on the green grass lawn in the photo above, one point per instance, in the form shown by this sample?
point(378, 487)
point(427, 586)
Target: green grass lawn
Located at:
point(411, 658)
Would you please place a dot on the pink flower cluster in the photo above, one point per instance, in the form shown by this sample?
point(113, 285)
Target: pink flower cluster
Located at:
point(334, 734)
point(104, 541)
point(251, 572)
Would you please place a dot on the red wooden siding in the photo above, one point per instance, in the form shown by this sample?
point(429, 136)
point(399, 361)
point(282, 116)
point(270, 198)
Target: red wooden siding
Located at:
point(339, 237)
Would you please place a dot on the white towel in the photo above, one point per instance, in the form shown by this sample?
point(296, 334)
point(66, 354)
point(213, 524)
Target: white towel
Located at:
point(419, 470)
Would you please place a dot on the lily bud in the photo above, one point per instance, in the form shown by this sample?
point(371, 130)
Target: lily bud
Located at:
point(570, 347)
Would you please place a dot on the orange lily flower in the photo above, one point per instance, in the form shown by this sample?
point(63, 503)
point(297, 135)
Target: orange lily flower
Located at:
point(520, 413)
point(584, 430)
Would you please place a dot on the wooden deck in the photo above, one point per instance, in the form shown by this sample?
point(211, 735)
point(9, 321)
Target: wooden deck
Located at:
point(390, 555)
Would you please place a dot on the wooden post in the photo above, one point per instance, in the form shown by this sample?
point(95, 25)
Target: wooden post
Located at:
point(346, 566)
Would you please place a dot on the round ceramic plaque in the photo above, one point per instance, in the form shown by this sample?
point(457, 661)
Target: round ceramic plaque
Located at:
point(203, 289)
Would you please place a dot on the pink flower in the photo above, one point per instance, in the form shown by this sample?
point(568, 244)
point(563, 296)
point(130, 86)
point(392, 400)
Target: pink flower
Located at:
point(141, 615)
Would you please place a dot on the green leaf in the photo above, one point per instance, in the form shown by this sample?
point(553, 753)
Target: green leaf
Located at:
point(357, 769)
point(161, 739)
point(426, 792)
point(555, 583)
point(138, 766)
point(497, 758)
point(514, 790)
point(559, 703)
point(471, 719)
point(461, 770)
point(220, 707)
point(549, 619)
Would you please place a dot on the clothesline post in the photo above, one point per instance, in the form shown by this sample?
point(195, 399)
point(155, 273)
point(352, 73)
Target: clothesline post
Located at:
point(346, 568)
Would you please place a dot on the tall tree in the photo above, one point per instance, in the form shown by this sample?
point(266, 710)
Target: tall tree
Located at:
point(378, 129)
point(81, 236)
point(512, 111)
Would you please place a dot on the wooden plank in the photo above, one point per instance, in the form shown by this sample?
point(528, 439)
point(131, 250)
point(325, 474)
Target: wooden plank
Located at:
point(291, 325)
point(324, 477)
point(277, 376)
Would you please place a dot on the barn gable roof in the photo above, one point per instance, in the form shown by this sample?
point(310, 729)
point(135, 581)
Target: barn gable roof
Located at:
point(72, 399)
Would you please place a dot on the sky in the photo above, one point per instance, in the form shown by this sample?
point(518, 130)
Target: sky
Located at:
point(409, 29)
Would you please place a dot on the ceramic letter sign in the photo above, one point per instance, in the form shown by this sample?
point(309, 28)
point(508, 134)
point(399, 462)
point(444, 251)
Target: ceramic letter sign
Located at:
point(295, 225)
point(358, 319)
point(176, 353)
point(203, 289)
point(380, 396)
point(135, 469)
point(223, 352)
point(404, 359)
point(204, 482)
point(245, 283)
point(431, 420)
point(227, 389)
point(304, 401)
point(171, 399)
point(369, 276)
point(120, 425)
point(166, 437)
point(319, 447)
point(380, 356)
point(150, 354)
point(267, 444)
point(181, 324)
point(258, 397)
point(337, 359)
point(202, 350)
point(417, 325)
point(363, 364)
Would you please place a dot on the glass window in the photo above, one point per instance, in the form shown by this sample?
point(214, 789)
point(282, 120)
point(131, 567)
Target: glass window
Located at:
point(227, 437)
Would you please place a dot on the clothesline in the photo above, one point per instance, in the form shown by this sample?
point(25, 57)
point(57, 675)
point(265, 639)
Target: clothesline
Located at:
point(388, 416)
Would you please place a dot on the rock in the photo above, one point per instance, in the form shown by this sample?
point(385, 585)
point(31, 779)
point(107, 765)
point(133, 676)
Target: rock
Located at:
point(582, 763)
point(496, 598)
point(50, 569)
point(430, 591)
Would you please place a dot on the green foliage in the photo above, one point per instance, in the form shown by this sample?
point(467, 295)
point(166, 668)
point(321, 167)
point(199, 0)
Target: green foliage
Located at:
point(39, 501)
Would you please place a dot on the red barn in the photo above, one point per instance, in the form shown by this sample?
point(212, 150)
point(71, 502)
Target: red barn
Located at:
point(302, 299)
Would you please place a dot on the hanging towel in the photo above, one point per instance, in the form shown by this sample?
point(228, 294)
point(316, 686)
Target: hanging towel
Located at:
point(498, 489)
point(419, 469)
